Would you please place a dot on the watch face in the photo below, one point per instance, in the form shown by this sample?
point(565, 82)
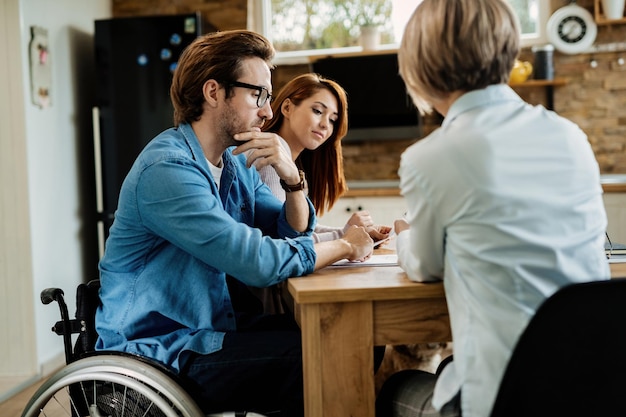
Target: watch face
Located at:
point(571, 29)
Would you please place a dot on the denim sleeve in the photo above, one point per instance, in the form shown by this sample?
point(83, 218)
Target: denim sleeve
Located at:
point(177, 202)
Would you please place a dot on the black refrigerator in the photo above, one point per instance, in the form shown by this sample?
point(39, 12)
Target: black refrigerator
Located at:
point(135, 58)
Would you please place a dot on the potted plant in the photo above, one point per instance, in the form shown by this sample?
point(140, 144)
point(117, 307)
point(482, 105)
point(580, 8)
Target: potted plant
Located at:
point(373, 12)
point(369, 16)
point(372, 15)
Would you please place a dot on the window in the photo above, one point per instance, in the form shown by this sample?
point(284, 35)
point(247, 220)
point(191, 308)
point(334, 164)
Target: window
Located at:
point(303, 28)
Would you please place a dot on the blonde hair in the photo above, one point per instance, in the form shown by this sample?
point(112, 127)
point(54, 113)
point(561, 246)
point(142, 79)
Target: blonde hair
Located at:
point(457, 45)
point(323, 166)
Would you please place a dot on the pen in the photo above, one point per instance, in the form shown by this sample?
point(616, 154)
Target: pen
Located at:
point(380, 242)
point(392, 234)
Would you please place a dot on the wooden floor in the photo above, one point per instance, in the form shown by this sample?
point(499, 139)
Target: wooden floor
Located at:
point(14, 406)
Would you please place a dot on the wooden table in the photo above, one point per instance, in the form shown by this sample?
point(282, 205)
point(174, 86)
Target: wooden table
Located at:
point(618, 270)
point(344, 312)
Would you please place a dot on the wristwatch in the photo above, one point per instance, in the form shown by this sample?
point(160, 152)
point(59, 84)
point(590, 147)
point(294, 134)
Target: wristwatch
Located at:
point(296, 187)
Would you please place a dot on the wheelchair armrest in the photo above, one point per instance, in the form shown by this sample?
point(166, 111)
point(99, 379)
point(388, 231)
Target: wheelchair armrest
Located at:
point(51, 294)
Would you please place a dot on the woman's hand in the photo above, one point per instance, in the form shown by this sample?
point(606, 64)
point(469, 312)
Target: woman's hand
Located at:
point(400, 225)
point(362, 218)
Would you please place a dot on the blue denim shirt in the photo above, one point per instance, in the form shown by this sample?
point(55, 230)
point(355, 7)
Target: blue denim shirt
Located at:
point(175, 237)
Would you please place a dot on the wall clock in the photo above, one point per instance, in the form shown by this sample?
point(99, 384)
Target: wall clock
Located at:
point(571, 29)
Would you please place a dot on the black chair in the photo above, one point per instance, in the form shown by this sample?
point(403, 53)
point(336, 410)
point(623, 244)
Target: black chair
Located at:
point(571, 359)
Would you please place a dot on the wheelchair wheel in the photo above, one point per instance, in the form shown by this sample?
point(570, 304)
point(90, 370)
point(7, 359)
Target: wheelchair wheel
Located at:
point(111, 386)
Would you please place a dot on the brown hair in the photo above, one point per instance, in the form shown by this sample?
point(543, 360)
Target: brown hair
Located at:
point(457, 45)
point(216, 56)
point(323, 166)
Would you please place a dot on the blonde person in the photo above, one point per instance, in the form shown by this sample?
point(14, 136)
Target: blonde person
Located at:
point(310, 119)
point(504, 203)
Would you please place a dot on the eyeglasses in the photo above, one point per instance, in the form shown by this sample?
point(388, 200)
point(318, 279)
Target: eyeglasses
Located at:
point(263, 97)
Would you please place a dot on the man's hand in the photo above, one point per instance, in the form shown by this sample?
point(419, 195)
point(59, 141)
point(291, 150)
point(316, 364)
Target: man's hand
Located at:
point(356, 245)
point(360, 242)
point(265, 148)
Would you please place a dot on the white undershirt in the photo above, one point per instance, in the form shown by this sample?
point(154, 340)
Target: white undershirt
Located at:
point(216, 172)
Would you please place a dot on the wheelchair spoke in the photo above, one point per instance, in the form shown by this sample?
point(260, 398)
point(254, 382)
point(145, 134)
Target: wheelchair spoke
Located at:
point(110, 387)
point(71, 400)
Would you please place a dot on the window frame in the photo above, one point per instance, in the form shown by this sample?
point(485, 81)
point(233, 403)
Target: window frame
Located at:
point(259, 20)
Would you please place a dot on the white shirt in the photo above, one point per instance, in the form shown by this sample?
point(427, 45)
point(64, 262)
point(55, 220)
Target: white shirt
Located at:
point(216, 172)
point(505, 204)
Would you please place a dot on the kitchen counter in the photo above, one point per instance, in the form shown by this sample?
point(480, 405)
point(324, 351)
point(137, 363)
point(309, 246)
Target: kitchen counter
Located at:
point(611, 183)
point(377, 188)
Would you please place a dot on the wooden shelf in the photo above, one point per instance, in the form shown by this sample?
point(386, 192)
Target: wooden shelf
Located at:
point(547, 84)
point(541, 83)
point(598, 15)
point(353, 51)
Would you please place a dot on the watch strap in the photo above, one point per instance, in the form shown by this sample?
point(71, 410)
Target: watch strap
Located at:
point(296, 187)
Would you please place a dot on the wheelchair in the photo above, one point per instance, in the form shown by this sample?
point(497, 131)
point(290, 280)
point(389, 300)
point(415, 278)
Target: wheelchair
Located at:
point(107, 384)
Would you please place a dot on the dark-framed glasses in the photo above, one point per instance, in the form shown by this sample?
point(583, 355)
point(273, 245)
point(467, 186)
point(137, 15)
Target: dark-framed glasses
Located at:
point(263, 97)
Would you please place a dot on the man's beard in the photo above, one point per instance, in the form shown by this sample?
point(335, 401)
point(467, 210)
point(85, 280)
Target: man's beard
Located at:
point(230, 124)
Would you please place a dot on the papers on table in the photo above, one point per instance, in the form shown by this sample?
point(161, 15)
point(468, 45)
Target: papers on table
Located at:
point(617, 259)
point(390, 259)
point(615, 252)
point(614, 248)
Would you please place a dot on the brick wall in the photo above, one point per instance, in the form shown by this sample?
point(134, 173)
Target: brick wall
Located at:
point(594, 97)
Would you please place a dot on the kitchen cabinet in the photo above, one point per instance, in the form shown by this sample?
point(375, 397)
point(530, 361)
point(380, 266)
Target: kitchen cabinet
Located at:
point(383, 209)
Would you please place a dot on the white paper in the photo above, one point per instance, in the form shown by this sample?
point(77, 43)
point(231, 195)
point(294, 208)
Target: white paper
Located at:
point(374, 260)
point(617, 259)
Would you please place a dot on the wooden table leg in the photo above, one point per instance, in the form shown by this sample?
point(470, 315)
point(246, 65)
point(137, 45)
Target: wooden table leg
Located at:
point(338, 363)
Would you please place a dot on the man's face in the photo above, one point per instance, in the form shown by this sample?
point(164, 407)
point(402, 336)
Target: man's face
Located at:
point(240, 112)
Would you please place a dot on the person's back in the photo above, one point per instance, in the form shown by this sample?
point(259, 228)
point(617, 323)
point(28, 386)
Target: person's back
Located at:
point(518, 204)
point(505, 203)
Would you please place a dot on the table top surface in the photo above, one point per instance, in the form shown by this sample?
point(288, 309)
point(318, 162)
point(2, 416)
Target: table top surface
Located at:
point(343, 284)
point(340, 284)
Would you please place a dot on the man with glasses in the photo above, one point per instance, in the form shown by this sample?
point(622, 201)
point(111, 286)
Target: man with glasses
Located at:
point(263, 97)
point(195, 223)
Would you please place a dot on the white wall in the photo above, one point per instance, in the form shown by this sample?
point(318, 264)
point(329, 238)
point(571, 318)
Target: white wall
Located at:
point(17, 347)
point(58, 151)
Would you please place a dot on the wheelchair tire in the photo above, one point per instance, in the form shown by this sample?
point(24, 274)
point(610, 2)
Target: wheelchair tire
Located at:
point(111, 385)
